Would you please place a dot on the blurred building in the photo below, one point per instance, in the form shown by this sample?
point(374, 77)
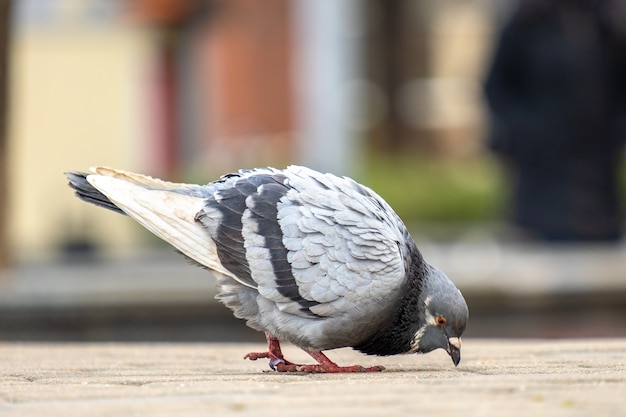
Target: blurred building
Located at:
point(192, 88)
point(79, 82)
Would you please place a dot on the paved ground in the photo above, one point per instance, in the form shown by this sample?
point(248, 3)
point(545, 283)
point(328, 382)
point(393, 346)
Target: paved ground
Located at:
point(495, 378)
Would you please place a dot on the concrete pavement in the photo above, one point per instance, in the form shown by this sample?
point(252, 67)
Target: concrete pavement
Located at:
point(495, 378)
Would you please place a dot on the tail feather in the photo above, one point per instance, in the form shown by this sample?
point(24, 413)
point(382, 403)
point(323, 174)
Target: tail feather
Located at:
point(140, 179)
point(87, 192)
point(166, 209)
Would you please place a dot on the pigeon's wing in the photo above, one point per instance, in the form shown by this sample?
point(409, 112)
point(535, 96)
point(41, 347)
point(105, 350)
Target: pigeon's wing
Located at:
point(315, 244)
point(166, 209)
point(346, 246)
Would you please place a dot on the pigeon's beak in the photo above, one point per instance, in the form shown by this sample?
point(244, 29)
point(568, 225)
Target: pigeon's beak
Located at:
point(454, 349)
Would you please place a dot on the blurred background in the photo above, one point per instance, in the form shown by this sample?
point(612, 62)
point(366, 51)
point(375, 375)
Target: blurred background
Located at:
point(507, 172)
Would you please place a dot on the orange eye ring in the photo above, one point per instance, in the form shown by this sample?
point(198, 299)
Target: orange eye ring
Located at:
point(441, 321)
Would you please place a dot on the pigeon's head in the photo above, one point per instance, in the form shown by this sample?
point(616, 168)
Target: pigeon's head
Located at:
point(445, 316)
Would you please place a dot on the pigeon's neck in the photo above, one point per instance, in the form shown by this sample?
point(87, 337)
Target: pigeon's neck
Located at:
point(406, 317)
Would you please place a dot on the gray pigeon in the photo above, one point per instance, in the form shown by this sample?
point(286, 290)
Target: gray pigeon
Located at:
point(313, 259)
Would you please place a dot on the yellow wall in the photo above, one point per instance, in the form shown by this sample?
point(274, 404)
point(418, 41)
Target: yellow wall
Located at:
point(76, 101)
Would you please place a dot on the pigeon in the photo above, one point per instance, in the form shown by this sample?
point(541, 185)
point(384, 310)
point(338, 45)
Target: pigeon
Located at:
point(309, 258)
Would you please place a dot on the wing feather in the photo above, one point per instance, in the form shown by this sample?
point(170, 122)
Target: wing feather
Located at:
point(168, 214)
point(342, 246)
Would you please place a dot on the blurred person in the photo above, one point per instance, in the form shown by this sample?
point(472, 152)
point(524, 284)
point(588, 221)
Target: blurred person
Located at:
point(556, 91)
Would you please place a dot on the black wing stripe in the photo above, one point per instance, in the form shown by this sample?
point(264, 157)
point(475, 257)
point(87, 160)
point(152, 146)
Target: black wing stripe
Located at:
point(264, 213)
point(258, 196)
point(228, 239)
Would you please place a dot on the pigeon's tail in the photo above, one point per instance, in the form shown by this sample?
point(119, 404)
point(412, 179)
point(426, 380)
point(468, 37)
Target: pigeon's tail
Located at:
point(87, 192)
point(166, 209)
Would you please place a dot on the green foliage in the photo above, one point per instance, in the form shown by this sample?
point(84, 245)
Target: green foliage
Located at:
point(438, 190)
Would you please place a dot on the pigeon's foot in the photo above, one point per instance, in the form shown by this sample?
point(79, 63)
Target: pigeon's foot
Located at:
point(324, 365)
point(274, 354)
point(276, 361)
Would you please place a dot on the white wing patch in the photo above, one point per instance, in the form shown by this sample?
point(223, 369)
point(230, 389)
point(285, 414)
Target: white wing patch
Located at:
point(169, 215)
point(139, 179)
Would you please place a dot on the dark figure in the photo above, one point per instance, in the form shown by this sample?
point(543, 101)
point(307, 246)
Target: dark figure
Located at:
point(557, 95)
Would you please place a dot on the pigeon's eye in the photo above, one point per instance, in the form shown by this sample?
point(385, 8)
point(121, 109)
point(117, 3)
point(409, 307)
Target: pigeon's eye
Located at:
point(441, 321)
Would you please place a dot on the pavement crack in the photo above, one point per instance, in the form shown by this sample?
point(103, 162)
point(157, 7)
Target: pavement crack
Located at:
point(29, 378)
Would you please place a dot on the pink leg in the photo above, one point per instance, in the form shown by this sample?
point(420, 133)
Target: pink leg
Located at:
point(324, 365)
point(274, 353)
